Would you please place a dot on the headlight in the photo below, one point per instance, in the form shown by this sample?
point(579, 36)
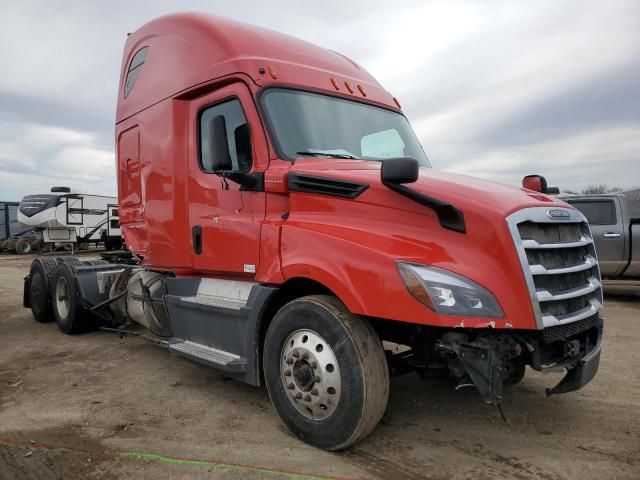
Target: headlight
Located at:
point(448, 293)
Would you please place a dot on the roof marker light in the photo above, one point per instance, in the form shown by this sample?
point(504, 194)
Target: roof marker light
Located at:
point(272, 72)
point(348, 85)
point(335, 84)
point(364, 94)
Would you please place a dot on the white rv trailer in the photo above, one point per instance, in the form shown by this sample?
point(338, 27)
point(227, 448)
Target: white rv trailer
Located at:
point(75, 218)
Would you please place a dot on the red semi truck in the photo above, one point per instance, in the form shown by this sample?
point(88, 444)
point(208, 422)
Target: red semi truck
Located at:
point(286, 222)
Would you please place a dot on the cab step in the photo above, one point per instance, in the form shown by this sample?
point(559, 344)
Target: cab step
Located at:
point(214, 357)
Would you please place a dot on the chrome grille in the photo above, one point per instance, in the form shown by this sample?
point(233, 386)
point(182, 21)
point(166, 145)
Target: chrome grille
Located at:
point(559, 263)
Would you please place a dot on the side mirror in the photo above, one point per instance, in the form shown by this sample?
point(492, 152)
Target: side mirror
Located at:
point(399, 170)
point(60, 190)
point(535, 182)
point(218, 146)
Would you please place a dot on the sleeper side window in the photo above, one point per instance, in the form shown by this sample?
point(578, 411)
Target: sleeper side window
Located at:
point(238, 135)
point(134, 69)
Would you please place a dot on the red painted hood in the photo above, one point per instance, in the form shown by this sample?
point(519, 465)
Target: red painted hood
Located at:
point(384, 227)
point(463, 191)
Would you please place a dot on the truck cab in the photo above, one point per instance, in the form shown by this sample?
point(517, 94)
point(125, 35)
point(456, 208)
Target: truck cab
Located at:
point(285, 221)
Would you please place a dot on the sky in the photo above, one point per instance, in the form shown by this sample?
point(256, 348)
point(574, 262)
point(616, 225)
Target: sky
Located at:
point(493, 89)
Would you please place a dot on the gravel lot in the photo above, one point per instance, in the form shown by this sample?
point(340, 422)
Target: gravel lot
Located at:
point(96, 406)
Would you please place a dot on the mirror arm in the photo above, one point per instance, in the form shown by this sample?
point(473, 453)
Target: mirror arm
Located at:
point(249, 182)
point(449, 216)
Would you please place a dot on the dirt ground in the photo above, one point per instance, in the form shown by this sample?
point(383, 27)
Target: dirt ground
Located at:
point(96, 406)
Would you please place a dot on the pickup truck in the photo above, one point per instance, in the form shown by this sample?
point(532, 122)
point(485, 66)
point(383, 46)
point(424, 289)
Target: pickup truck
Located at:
point(615, 226)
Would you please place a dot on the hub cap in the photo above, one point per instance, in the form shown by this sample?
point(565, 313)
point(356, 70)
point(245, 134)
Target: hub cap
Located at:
point(62, 297)
point(310, 374)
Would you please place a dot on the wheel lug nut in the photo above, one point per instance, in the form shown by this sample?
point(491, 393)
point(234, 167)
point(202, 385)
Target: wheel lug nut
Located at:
point(298, 396)
point(296, 354)
point(314, 392)
point(290, 386)
point(313, 365)
point(305, 355)
point(287, 373)
point(289, 361)
point(307, 398)
point(317, 379)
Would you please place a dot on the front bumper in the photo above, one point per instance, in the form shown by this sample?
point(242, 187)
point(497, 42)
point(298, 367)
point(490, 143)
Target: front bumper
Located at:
point(582, 371)
point(489, 358)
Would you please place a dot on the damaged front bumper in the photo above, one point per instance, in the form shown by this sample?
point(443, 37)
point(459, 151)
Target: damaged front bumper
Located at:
point(489, 360)
point(581, 371)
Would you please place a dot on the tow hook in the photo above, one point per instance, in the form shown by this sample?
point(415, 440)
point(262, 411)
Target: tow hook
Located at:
point(572, 349)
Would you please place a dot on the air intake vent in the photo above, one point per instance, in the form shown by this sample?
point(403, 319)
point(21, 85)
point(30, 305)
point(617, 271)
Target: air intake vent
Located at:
point(325, 186)
point(559, 262)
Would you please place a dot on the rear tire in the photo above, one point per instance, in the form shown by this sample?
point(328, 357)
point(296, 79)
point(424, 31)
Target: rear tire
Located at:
point(64, 300)
point(326, 372)
point(23, 246)
point(40, 281)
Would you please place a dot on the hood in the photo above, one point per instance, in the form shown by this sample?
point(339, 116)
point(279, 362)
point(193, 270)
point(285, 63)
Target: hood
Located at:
point(390, 227)
point(468, 194)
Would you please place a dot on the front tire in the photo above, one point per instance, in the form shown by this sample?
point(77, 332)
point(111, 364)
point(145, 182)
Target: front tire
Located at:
point(326, 372)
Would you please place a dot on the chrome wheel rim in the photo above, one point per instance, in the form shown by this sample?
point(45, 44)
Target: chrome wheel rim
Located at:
point(310, 374)
point(62, 297)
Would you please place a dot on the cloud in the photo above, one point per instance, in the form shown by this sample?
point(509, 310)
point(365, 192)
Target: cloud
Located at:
point(495, 89)
point(578, 159)
point(34, 157)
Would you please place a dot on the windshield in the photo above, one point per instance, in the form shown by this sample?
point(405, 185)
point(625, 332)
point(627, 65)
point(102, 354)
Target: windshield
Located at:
point(311, 124)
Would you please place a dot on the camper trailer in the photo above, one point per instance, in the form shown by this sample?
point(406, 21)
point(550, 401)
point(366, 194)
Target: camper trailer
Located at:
point(72, 218)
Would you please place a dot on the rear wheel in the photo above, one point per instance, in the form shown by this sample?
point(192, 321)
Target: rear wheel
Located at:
point(64, 299)
point(23, 246)
point(326, 372)
point(40, 282)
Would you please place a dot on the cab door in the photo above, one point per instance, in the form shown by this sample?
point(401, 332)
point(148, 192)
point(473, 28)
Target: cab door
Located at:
point(225, 220)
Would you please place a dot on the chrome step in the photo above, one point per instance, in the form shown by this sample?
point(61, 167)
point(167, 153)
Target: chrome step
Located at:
point(203, 352)
point(213, 301)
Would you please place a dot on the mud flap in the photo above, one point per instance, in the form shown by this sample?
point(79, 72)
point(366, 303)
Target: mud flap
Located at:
point(26, 300)
point(485, 367)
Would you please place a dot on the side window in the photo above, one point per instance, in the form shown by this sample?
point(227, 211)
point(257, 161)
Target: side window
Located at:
point(238, 135)
point(598, 212)
point(134, 69)
point(384, 144)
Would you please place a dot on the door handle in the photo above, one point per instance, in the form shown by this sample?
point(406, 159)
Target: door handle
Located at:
point(196, 236)
point(612, 235)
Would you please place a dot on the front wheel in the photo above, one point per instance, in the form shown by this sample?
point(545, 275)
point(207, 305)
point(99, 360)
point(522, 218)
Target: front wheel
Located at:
point(326, 372)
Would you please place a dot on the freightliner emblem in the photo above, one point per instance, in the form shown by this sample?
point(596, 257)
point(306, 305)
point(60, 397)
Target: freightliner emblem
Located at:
point(558, 213)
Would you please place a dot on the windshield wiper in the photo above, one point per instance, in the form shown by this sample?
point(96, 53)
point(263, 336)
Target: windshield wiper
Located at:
point(330, 155)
